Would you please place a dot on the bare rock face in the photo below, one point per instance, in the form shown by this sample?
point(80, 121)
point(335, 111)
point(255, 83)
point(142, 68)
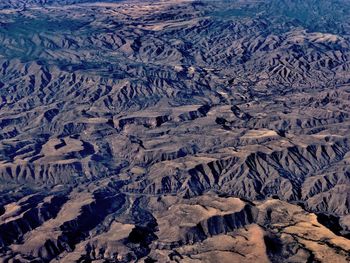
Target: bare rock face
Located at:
point(174, 131)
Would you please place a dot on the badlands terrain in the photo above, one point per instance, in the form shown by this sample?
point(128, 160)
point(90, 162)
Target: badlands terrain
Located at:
point(174, 131)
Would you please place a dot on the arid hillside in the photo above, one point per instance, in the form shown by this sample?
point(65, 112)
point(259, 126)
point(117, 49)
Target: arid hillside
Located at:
point(174, 131)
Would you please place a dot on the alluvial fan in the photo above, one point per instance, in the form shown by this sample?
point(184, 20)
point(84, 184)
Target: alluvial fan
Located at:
point(174, 131)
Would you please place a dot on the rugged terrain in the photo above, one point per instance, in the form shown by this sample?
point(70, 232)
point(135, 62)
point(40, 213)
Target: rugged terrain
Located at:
point(174, 131)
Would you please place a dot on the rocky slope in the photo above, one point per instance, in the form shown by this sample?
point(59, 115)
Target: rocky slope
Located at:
point(174, 131)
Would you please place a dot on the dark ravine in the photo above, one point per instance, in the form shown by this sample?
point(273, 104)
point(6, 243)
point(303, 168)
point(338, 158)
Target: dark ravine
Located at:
point(333, 223)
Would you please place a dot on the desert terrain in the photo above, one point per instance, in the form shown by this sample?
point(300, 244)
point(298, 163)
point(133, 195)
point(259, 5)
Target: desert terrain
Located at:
point(174, 131)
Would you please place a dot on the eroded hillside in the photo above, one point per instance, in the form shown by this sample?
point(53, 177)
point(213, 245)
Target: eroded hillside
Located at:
point(175, 131)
